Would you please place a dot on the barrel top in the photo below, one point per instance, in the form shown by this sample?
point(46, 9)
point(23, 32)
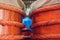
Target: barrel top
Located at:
point(12, 8)
point(44, 9)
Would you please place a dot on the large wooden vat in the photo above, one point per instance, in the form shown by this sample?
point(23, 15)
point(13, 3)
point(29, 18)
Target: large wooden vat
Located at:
point(11, 22)
point(46, 23)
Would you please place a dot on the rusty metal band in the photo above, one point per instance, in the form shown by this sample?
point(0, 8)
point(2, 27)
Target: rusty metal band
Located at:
point(46, 36)
point(11, 23)
point(4, 37)
point(46, 23)
point(45, 8)
point(12, 8)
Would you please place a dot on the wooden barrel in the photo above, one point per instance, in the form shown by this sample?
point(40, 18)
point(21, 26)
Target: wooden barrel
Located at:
point(46, 23)
point(11, 22)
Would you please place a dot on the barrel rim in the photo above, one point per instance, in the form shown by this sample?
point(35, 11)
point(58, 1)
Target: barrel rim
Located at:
point(44, 9)
point(45, 23)
point(12, 8)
